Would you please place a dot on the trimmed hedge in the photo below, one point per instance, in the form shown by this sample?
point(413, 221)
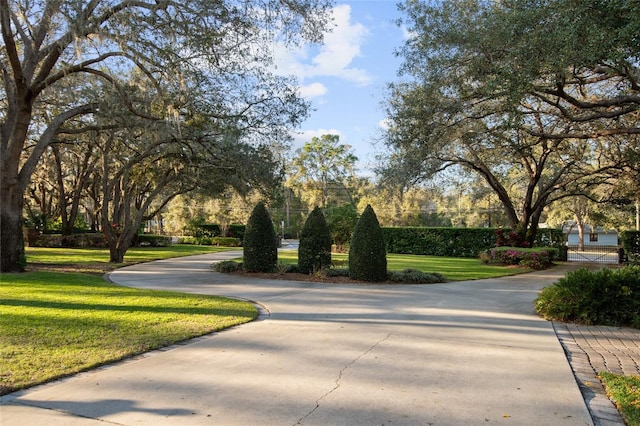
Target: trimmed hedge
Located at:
point(237, 230)
point(151, 240)
point(199, 230)
point(211, 241)
point(413, 276)
point(457, 242)
point(94, 240)
point(367, 254)
point(630, 242)
point(209, 230)
point(314, 251)
point(260, 248)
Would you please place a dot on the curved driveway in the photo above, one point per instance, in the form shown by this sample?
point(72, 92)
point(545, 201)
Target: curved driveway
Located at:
point(465, 353)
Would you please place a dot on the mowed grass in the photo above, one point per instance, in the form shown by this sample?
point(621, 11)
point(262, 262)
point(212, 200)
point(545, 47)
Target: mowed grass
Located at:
point(625, 392)
point(453, 268)
point(55, 324)
point(78, 256)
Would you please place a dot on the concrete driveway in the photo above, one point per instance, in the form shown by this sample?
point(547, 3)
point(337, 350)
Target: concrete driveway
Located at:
point(465, 353)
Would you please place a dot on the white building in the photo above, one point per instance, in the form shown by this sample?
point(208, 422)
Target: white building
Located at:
point(593, 236)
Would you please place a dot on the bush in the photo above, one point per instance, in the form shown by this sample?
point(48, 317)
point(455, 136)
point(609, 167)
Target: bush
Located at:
point(337, 272)
point(236, 230)
point(260, 243)
point(455, 242)
point(367, 253)
point(604, 297)
point(226, 266)
point(211, 241)
point(630, 242)
point(533, 258)
point(506, 238)
point(149, 240)
point(226, 241)
point(94, 240)
point(413, 276)
point(197, 227)
point(314, 251)
point(188, 240)
point(286, 268)
point(342, 220)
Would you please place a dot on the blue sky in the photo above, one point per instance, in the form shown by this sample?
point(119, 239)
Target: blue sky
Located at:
point(345, 78)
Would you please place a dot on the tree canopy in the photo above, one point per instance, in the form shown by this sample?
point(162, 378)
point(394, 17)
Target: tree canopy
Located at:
point(547, 91)
point(195, 70)
point(323, 168)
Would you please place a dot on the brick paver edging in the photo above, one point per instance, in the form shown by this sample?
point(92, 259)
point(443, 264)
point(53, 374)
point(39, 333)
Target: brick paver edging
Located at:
point(592, 349)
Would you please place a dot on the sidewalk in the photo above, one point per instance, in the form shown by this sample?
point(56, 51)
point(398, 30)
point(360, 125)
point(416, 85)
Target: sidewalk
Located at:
point(593, 349)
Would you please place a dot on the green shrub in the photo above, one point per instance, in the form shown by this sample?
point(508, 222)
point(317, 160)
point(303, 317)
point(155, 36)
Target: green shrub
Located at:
point(533, 258)
point(337, 272)
point(342, 220)
point(236, 230)
point(95, 240)
point(227, 266)
point(150, 240)
point(197, 227)
point(413, 276)
point(314, 251)
point(288, 268)
point(79, 225)
point(456, 242)
point(260, 243)
point(211, 241)
point(604, 297)
point(367, 252)
point(188, 240)
point(630, 242)
point(225, 241)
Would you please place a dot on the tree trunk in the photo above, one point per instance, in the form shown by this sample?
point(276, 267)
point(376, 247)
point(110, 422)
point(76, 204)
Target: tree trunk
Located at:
point(581, 236)
point(11, 237)
point(116, 253)
point(581, 221)
point(13, 134)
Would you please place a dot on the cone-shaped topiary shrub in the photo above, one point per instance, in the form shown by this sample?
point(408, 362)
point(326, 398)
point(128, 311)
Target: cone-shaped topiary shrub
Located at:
point(260, 246)
point(314, 251)
point(367, 253)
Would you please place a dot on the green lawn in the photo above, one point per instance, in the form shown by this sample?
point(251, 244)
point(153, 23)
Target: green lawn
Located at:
point(453, 268)
point(55, 324)
point(134, 254)
point(625, 392)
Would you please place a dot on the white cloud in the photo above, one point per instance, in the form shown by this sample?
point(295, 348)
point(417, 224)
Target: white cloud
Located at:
point(384, 124)
point(313, 90)
point(334, 57)
point(300, 138)
point(406, 33)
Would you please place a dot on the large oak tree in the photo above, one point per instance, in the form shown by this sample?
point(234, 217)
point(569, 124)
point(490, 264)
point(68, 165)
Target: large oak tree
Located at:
point(213, 56)
point(545, 89)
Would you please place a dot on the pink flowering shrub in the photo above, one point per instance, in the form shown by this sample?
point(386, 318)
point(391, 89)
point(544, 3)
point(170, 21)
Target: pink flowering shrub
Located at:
point(536, 258)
